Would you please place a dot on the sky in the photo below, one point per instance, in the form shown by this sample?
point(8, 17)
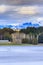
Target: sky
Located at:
point(17, 12)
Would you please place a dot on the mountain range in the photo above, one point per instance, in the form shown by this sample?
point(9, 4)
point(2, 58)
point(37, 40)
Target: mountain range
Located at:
point(24, 25)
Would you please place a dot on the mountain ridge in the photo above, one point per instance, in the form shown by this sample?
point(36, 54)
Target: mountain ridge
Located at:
point(24, 25)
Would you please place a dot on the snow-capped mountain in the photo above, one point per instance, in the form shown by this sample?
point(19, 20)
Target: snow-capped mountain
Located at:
point(24, 25)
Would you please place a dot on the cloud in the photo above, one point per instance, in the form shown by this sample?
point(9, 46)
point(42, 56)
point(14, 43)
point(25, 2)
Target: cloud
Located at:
point(15, 24)
point(31, 10)
point(28, 10)
point(4, 8)
point(21, 2)
point(21, 14)
point(40, 21)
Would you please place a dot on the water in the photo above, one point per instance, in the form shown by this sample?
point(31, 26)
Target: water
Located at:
point(21, 55)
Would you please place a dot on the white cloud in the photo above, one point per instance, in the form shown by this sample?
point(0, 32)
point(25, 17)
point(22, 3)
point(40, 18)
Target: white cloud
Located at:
point(28, 10)
point(15, 24)
point(40, 21)
point(21, 11)
point(5, 8)
point(2, 8)
point(37, 20)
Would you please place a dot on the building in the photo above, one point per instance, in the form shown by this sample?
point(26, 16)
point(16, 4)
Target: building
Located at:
point(17, 37)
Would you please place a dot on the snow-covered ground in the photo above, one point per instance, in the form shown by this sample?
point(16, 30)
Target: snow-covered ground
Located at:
point(21, 55)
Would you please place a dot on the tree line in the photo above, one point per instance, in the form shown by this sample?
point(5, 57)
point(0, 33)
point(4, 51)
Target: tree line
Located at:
point(32, 30)
point(33, 33)
point(5, 34)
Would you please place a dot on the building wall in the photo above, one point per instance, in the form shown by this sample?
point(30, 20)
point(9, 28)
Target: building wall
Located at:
point(17, 37)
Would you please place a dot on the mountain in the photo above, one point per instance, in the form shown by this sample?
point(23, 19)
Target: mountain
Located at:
point(7, 26)
point(35, 25)
point(24, 25)
point(27, 24)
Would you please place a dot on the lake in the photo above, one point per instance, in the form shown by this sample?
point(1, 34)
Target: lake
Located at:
point(21, 55)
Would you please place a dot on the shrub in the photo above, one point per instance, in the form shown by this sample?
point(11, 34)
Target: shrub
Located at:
point(34, 41)
point(25, 40)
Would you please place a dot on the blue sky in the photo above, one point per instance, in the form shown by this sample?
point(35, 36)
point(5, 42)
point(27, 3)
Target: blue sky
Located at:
point(17, 12)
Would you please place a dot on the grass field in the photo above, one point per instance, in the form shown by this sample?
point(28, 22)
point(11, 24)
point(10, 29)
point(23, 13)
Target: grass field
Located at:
point(15, 44)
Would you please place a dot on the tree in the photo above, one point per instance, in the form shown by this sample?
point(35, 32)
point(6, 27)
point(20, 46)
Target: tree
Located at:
point(32, 31)
point(5, 33)
point(7, 36)
point(8, 30)
point(40, 29)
